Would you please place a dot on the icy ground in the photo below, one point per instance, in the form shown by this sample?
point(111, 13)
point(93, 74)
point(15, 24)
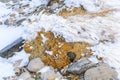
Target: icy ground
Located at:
point(9, 34)
point(103, 32)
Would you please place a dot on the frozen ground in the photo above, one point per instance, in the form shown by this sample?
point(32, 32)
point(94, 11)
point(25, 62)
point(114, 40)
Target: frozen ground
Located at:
point(101, 32)
point(9, 35)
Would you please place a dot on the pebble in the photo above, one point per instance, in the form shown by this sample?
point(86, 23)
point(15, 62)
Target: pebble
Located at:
point(51, 75)
point(35, 65)
point(17, 71)
point(102, 72)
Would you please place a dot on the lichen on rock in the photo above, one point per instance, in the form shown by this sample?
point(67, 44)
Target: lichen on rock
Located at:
point(59, 48)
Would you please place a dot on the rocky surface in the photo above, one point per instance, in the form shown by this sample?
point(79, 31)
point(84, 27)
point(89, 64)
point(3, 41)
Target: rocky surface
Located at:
point(102, 72)
point(35, 65)
point(80, 70)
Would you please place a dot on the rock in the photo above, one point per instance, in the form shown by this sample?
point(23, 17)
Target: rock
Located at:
point(10, 21)
point(20, 21)
point(51, 74)
point(102, 72)
point(35, 65)
point(17, 71)
point(24, 76)
point(80, 66)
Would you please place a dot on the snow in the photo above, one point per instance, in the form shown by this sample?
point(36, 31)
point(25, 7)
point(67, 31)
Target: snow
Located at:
point(49, 52)
point(7, 66)
point(4, 9)
point(6, 69)
point(87, 26)
point(38, 2)
point(20, 56)
point(44, 39)
point(93, 5)
point(73, 3)
point(9, 35)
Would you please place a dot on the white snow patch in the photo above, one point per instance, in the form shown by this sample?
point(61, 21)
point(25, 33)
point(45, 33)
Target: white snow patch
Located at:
point(49, 52)
point(34, 3)
point(45, 69)
point(20, 56)
point(88, 5)
point(44, 39)
point(6, 68)
point(73, 3)
point(4, 10)
point(94, 5)
point(9, 35)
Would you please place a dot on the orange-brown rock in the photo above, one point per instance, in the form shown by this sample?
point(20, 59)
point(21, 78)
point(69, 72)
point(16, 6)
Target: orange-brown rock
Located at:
point(54, 50)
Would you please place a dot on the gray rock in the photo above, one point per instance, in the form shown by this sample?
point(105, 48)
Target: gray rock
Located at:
point(35, 65)
point(102, 72)
point(10, 21)
point(9, 50)
point(24, 76)
point(80, 66)
point(20, 21)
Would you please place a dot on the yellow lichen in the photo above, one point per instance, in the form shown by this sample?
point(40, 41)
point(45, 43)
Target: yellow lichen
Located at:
point(59, 48)
point(81, 11)
point(76, 11)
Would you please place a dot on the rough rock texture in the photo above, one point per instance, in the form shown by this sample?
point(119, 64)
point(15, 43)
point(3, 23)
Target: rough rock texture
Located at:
point(54, 50)
point(80, 66)
point(102, 72)
point(35, 65)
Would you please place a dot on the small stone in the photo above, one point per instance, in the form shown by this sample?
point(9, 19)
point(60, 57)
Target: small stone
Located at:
point(20, 21)
point(12, 15)
point(20, 10)
point(17, 71)
point(10, 21)
point(51, 74)
point(80, 66)
point(102, 72)
point(35, 65)
point(24, 76)
point(71, 55)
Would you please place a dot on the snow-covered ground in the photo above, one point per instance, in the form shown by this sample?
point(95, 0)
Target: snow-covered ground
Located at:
point(103, 32)
point(9, 35)
point(7, 66)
